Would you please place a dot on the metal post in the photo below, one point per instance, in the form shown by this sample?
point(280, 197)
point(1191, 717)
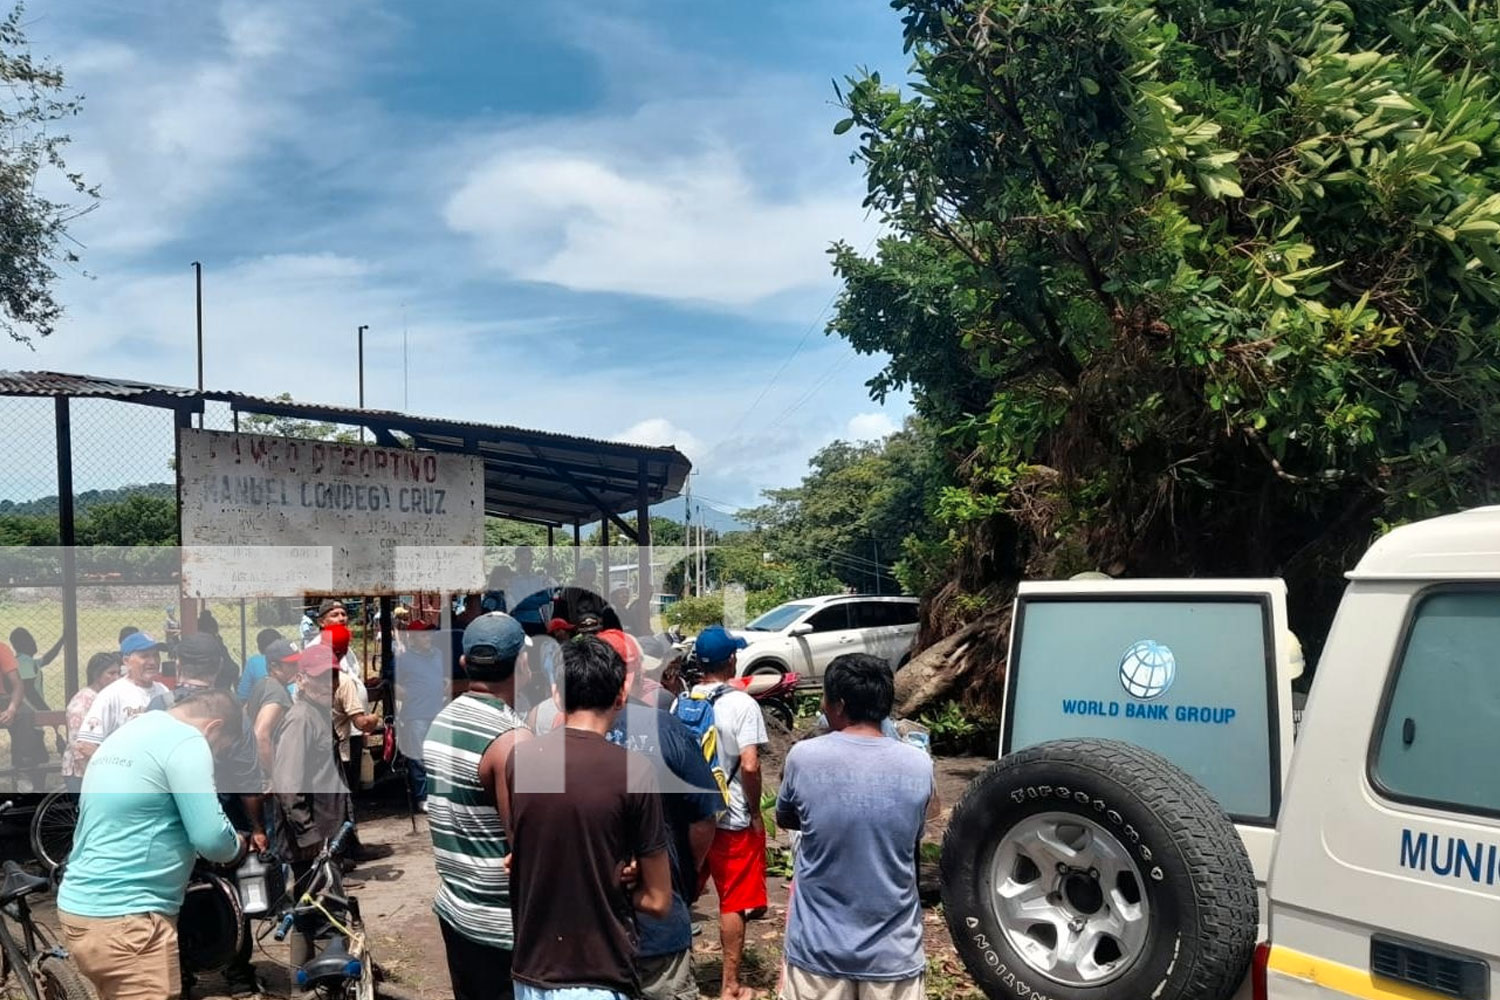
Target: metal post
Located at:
point(577, 545)
point(67, 537)
point(363, 327)
point(602, 580)
point(387, 647)
point(198, 290)
point(187, 608)
point(550, 541)
point(643, 546)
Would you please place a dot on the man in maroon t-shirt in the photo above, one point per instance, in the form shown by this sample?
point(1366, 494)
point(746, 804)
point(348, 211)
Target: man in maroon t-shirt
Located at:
point(582, 811)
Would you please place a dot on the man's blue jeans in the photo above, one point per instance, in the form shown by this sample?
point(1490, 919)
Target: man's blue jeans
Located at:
point(416, 779)
point(526, 992)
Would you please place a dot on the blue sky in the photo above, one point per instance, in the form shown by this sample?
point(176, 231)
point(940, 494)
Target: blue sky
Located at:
point(604, 218)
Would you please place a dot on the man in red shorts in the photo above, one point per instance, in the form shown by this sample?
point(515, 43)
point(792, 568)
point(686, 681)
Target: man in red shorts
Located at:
point(737, 860)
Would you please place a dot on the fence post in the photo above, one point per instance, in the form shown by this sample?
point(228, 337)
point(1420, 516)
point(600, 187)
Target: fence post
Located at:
point(643, 546)
point(67, 536)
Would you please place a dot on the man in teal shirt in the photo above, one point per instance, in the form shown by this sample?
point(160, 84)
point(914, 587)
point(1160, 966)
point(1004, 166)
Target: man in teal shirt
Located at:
point(148, 807)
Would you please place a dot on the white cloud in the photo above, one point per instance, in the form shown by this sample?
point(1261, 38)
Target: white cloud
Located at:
point(682, 228)
point(245, 132)
point(870, 427)
point(176, 115)
point(660, 431)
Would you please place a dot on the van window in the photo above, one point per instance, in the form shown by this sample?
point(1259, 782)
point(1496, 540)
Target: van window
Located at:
point(1188, 677)
point(884, 614)
point(833, 618)
point(1436, 742)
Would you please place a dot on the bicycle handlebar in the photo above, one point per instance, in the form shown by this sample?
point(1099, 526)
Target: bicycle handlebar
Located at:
point(336, 845)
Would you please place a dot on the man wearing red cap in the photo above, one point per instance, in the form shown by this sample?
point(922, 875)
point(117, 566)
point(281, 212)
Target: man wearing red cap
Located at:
point(351, 704)
point(352, 718)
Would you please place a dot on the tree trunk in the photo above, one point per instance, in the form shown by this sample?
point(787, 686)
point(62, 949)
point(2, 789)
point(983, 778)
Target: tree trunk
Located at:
point(975, 652)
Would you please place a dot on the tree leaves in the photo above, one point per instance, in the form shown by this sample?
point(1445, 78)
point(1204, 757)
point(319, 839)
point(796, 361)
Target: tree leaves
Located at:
point(1171, 277)
point(34, 226)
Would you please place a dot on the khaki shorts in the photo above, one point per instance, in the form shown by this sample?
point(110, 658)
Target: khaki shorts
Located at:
point(667, 977)
point(126, 958)
point(799, 984)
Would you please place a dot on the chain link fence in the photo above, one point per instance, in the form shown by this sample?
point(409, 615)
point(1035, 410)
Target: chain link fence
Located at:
point(128, 570)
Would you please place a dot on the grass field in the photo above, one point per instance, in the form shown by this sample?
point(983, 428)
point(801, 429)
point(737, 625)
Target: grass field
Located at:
point(102, 612)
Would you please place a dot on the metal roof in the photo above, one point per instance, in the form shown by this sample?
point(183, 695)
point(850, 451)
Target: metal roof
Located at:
point(529, 475)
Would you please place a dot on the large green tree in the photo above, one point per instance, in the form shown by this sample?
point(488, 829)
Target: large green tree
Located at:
point(1191, 287)
point(33, 225)
point(860, 514)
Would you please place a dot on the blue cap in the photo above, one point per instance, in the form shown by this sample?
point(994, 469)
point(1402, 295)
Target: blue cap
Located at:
point(140, 642)
point(715, 645)
point(493, 638)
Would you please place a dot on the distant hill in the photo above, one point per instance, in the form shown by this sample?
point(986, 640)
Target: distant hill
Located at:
point(82, 502)
point(715, 519)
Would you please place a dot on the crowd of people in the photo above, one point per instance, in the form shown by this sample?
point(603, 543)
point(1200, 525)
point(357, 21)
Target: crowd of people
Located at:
point(583, 787)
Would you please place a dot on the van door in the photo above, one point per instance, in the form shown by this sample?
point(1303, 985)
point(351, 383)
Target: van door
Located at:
point(884, 629)
point(1197, 671)
point(832, 635)
point(1387, 872)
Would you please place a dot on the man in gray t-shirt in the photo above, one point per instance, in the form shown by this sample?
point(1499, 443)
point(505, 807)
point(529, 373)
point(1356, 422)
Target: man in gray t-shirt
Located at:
point(860, 800)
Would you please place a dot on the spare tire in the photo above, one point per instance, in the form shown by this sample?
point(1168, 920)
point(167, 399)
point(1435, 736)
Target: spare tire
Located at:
point(1086, 869)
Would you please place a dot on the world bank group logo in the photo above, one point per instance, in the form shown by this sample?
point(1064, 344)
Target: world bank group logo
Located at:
point(1147, 669)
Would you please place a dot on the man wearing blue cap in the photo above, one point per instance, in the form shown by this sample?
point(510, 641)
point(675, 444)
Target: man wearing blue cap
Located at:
point(464, 753)
point(137, 691)
point(737, 860)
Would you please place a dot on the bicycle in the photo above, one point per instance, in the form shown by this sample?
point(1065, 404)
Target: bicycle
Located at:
point(320, 909)
point(52, 826)
point(33, 966)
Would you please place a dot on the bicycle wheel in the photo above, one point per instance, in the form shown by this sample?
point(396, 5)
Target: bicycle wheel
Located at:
point(52, 828)
point(57, 979)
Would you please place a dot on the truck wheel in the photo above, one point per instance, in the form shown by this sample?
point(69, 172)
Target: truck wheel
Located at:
point(1086, 869)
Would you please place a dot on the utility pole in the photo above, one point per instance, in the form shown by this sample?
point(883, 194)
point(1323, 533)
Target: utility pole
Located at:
point(689, 570)
point(198, 289)
point(363, 327)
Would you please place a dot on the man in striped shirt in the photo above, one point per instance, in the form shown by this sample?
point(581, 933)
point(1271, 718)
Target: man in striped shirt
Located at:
point(465, 754)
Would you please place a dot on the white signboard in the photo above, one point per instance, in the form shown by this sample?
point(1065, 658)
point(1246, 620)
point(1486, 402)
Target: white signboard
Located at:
point(363, 502)
point(256, 570)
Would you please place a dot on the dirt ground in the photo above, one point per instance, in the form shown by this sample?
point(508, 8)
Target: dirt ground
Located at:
point(395, 896)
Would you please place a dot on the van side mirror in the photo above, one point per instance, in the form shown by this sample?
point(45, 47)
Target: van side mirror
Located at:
point(801, 628)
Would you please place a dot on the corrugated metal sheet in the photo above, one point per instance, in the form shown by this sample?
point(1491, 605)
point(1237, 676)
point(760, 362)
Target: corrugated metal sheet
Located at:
point(62, 384)
point(530, 474)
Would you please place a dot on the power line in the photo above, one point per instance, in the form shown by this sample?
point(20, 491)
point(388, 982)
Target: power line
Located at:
point(806, 335)
point(816, 388)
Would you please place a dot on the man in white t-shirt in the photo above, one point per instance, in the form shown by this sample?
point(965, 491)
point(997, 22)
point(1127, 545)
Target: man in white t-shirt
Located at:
point(137, 691)
point(737, 859)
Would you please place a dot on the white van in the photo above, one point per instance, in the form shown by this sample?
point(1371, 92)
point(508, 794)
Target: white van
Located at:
point(1148, 823)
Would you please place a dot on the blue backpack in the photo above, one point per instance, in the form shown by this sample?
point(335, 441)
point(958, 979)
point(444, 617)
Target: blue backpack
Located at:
point(696, 711)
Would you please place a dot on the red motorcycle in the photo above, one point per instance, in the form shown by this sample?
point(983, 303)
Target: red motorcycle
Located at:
point(774, 692)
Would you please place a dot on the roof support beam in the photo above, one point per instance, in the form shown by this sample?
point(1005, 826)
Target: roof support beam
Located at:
point(588, 495)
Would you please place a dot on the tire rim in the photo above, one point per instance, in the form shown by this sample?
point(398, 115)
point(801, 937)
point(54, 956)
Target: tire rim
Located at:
point(1069, 899)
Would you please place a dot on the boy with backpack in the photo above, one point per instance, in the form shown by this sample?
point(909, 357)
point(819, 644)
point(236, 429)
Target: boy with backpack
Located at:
point(737, 859)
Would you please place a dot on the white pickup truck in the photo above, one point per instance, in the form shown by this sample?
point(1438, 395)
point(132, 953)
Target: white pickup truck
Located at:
point(1148, 833)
